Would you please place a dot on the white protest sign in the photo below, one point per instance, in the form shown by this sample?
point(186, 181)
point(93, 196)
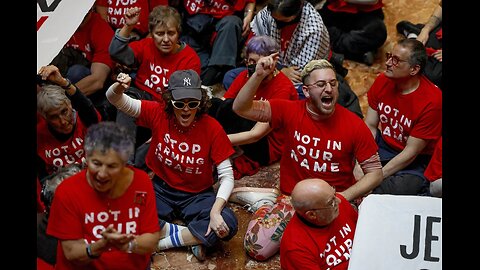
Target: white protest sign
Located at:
point(398, 232)
point(57, 20)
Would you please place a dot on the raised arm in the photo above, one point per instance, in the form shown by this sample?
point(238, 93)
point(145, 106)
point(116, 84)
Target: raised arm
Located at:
point(121, 101)
point(84, 106)
point(119, 49)
point(244, 105)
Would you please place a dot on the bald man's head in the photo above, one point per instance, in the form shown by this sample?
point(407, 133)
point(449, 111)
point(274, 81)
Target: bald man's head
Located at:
point(315, 200)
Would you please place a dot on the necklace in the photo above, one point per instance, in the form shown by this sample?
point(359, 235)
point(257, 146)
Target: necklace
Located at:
point(311, 111)
point(182, 129)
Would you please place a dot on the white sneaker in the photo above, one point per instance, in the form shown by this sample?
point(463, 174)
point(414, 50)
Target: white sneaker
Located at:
point(252, 198)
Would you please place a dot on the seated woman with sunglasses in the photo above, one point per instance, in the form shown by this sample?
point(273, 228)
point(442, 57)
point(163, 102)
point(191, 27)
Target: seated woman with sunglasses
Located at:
point(182, 156)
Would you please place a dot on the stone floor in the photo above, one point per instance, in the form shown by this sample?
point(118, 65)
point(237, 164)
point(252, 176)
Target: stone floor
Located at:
point(230, 255)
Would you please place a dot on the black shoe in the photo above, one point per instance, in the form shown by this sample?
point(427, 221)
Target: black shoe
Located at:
point(336, 59)
point(368, 58)
point(405, 28)
point(212, 75)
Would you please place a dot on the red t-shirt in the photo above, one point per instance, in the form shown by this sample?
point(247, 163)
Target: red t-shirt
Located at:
point(116, 10)
point(184, 160)
point(217, 8)
point(279, 87)
point(434, 168)
point(307, 247)
point(78, 212)
point(325, 149)
point(57, 153)
point(418, 114)
point(286, 34)
point(343, 6)
point(93, 39)
point(155, 68)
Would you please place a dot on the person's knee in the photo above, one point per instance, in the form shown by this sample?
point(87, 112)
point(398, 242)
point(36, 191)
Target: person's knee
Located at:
point(231, 221)
point(230, 22)
point(259, 245)
point(404, 184)
point(436, 188)
point(77, 72)
point(230, 76)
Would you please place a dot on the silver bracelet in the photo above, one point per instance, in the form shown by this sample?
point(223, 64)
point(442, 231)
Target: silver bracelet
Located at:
point(132, 245)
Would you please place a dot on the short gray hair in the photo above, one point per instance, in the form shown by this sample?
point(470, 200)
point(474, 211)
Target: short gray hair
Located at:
point(51, 97)
point(108, 135)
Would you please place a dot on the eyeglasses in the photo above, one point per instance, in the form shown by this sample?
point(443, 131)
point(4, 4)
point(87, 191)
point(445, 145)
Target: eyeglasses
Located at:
point(181, 104)
point(395, 59)
point(322, 84)
point(330, 204)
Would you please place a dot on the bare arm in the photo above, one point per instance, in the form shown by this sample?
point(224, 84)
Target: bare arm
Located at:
point(96, 80)
point(247, 18)
point(76, 250)
point(403, 159)
point(433, 22)
point(132, 17)
point(244, 105)
point(121, 101)
point(372, 120)
point(372, 177)
point(256, 133)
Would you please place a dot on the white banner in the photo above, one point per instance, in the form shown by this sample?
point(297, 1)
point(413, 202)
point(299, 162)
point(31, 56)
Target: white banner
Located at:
point(57, 20)
point(398, 232)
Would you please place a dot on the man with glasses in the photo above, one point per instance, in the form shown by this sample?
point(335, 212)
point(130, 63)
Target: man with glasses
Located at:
point(405, 118)
point(320, 234)
point(322, 139)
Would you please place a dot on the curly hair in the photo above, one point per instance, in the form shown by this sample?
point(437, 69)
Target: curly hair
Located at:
point(105, 136)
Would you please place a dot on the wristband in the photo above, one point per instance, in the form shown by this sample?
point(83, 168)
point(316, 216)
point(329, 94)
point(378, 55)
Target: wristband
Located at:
point(89, 252)
point(132, 245)
point(69, 83)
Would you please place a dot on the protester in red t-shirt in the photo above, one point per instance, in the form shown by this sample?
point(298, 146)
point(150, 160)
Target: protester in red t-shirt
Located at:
point(155, 58)
point(91, 65)
point(320, 234)
point(65, 114)
point(275, 86)
point(405, 118)
point(182, 157)
point(105, 215)
point(322, 139)
point(113, 12)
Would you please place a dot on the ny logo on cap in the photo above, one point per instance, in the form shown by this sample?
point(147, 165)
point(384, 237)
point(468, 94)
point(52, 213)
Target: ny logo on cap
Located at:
point(186, 82)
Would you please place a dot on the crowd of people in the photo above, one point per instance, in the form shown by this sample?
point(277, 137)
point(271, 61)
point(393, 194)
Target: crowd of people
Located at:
point(144, 158)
